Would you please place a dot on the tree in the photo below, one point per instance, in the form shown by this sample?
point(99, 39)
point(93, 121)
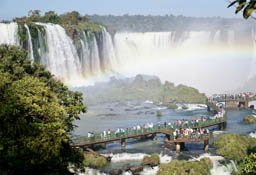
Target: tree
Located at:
point(51, 17)
point(36, 118)
point(248, 166)
point(247, 6)
point(34, 15)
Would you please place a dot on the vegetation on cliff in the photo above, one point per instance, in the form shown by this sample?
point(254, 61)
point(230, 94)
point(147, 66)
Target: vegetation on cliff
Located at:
point(183, 167)
point(73, 23)
point(36, 118)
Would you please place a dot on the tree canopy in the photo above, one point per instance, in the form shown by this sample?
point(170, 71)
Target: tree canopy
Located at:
point(36, 117)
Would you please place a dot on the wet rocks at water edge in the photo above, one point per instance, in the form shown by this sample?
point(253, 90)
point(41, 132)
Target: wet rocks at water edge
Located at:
point(116, 172)
point(152, 160)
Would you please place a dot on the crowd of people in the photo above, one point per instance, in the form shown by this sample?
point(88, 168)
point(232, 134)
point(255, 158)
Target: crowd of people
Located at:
point(182, 128)
point(239, 96)
point(190, 133)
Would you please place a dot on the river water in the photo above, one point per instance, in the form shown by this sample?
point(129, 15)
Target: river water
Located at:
point(122, 115)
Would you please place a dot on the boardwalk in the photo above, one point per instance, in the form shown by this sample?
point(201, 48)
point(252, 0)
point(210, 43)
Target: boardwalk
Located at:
point(194, 127)
point(151, 132)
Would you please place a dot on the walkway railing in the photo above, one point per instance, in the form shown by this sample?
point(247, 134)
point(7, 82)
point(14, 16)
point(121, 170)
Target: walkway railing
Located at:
point(166, 129)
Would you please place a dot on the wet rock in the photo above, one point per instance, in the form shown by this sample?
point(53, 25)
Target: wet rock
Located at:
point(136, 169)
point(126, 167)
point(115, 172)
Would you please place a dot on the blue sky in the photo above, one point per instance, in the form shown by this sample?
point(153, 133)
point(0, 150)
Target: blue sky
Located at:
point(203, 8)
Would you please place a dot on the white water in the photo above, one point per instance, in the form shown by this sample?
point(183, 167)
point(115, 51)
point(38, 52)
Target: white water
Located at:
point(30, 45)
point(61, 57)
point(218, 169)
point(95, 58)
point(9, 34)
point(253, 134)
point(109, 55)
point(191, 107)
point(85, 57)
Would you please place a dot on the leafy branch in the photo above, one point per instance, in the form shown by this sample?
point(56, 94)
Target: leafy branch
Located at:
point(247, 6)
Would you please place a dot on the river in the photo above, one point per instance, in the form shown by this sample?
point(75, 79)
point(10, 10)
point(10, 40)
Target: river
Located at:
point(122, 115)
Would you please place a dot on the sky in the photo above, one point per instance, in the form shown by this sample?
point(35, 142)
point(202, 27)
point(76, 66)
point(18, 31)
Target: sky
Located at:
point(199, 8)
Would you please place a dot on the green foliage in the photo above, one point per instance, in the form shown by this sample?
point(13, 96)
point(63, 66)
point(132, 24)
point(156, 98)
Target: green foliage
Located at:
point(176, 167)
point(142, 88)
point(250, 119)
point(152, 160)
point(248, 165)
point(234, 147)
point(94, 161)
point(172, 106)
point(36, 115)
point(247, 6)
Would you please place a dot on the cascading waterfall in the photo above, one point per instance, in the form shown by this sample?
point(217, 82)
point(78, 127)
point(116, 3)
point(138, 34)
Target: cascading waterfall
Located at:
point(109, 55)
point(95, 58)
point(9, 33)
point(30, 45)
point(42, 45)
point(190, 53)
point(61, 57)
point(85, 57)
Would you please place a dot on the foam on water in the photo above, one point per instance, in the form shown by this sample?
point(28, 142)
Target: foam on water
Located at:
point(216, 170)
point(192, 107)
point(120, 157)
point(217, 167)
point(253, 134)
point(90, 171)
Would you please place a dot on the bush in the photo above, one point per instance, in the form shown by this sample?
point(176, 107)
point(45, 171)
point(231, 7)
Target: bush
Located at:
point(250, 119)
point(234, 147)
point(176, 167)
point(172, 106)
point(94, 161)
point(152, 160)
point(248, 166)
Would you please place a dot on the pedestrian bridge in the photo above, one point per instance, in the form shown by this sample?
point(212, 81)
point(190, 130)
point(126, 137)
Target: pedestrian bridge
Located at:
point(131, 133)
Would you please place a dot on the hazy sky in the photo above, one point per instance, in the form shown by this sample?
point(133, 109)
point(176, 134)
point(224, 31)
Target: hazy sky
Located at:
point(14, 8)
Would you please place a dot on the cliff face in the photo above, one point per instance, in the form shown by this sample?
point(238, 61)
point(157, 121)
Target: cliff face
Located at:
point(141, 87)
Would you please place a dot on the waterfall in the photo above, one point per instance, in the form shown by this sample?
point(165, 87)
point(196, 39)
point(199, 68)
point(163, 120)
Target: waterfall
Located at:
point(30, 45)
point(180, 54)
point(95, 58)
point(61, 57)
point(9, 33)
point(85, 56)
point(109, 55)
point(42, 45)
